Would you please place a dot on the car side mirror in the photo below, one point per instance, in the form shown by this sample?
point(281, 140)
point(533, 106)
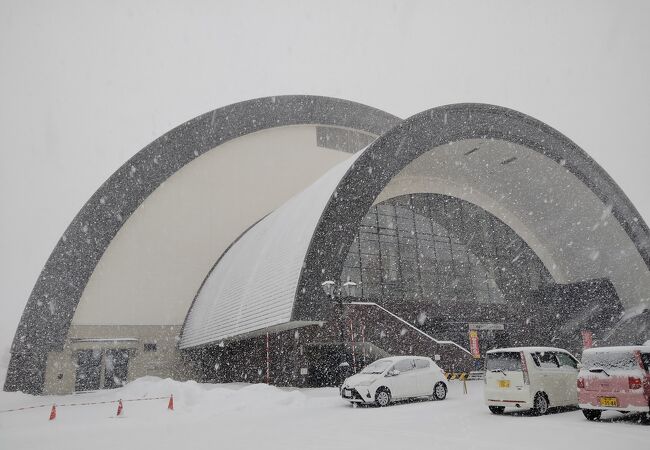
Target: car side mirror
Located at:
point(392, 373)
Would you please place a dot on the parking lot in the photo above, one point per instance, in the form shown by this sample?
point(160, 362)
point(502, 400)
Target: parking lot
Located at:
point(260, 416)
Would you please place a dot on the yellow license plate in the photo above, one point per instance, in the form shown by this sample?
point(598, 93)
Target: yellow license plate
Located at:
point(608, 401)
point(504, 383)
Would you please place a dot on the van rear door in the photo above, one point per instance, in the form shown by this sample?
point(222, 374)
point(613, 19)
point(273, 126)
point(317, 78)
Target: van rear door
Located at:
point(569, 375)
point(504, 371)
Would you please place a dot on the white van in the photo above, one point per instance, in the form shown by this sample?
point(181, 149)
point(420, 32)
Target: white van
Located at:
point(534, 378)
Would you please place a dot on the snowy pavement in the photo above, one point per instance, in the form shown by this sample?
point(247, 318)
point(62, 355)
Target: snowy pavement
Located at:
point(239, 416)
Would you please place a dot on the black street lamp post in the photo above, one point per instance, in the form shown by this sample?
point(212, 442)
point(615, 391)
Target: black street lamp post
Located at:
point(335, 295)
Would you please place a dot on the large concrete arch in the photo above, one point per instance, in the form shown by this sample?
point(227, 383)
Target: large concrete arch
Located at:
point(417, 157)
point(52, 304)
point(465, 128)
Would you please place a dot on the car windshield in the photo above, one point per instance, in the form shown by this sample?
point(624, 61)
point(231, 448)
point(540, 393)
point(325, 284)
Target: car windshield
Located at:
point(503, 361)
point(378, 366)
point(609, 360)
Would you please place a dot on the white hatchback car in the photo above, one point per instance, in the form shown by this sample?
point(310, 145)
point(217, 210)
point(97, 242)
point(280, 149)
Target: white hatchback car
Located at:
point(533, 378)
point(396, 378)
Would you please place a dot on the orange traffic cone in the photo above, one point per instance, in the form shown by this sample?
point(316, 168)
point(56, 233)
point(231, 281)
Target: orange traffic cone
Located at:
point(119, 408)
point(53, 412)
point(170, 405)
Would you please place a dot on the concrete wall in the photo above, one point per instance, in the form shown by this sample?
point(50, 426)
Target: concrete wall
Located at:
point(153, 267)
point(165, 362)
point(310, 356)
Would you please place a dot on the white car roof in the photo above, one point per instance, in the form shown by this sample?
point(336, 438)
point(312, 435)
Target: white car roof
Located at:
point(528, 349)
point(397, 358)
point(623, 348)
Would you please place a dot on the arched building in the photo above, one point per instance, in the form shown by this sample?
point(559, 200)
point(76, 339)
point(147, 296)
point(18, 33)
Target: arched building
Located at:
point(204, 255)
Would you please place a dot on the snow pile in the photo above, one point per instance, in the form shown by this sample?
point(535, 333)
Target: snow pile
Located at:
point(244, 416)
point(211, 400)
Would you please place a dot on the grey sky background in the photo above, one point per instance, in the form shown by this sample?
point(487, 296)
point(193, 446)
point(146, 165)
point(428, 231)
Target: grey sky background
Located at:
point(84, 85)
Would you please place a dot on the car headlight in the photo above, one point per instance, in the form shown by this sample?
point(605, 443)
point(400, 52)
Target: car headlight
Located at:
point(366, 383)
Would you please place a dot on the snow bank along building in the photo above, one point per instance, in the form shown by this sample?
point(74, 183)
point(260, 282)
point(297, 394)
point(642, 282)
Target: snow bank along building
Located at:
point(204, 256)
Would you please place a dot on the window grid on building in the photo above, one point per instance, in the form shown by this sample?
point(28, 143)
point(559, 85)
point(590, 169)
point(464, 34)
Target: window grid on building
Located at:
point(403, 251)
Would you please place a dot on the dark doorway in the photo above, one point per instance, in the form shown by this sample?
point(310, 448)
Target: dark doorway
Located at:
point(324, 365)
point(490, 339)
point(89, 367)
point(116, 364)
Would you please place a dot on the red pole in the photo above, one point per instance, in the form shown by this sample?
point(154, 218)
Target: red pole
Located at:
point(587, 339)
point(363, 342)
point(268, 360)
point(354, 359)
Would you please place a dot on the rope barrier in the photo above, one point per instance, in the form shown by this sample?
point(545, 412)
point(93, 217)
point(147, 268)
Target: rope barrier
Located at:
point(83, 403)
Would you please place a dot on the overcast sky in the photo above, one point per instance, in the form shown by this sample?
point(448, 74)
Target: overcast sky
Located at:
point(84, 85)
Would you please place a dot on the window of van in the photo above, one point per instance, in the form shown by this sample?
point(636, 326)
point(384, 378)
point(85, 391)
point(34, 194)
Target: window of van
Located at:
point(535, 358)
point(509, 361)
point(566, 360)
point(547, 360)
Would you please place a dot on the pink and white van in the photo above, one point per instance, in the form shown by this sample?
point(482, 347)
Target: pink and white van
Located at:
point(614, 378)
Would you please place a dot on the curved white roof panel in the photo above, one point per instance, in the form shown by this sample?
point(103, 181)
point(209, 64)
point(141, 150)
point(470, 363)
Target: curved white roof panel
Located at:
point(254, 284)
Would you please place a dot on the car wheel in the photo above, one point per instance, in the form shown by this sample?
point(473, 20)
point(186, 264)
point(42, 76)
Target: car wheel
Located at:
point(497, 409)
point(439, 391)
point(540, 404)
point(382, 397)
point(592, 414)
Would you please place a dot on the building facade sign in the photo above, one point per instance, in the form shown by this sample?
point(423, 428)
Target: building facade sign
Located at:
point(473, 344)
point(486, 326)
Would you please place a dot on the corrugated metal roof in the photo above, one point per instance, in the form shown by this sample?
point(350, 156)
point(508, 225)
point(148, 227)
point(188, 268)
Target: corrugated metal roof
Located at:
point(253, 286)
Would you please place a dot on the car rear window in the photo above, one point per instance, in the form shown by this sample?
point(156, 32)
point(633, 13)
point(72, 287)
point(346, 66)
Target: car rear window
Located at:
point(609, 360)
point(509, 361)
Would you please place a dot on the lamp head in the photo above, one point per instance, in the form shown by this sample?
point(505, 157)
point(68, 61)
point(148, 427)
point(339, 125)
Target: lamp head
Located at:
point(350, 288)
point(328, 287)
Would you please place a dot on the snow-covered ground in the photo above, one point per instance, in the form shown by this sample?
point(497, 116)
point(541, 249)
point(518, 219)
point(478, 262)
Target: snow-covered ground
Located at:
point(240, 416)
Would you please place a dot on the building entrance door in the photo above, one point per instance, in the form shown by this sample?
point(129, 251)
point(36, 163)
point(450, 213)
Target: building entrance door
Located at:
point(489, 339)
point(116, 368)
point(324, 369)
point(89, 368)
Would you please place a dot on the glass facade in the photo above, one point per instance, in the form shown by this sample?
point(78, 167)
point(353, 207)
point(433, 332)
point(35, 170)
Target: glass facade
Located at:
point(439, 248)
